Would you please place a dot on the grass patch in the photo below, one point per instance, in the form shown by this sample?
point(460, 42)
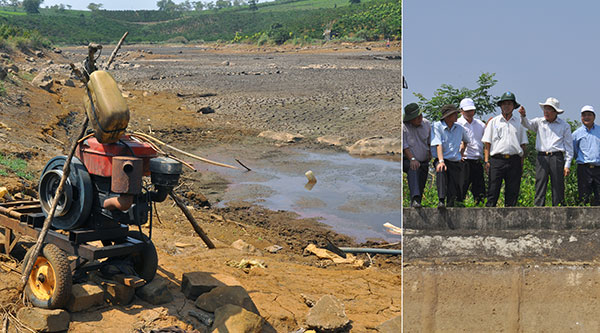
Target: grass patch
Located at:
point(15, 165)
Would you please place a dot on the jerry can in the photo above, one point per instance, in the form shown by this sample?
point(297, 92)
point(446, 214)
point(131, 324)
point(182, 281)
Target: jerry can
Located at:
point(109, 115)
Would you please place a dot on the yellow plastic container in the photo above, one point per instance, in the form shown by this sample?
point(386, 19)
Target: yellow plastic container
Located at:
point(110, 115)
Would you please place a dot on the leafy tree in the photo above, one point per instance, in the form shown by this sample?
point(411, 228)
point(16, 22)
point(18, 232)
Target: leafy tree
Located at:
point(252, 4)
point(238, 3)
point(32, 6)
point(94, 6)
point(354, 2)
point(447, 94)
point(220, 4)
point(184, 6)
point(198, 5)
point(14, 4)
point(166, 5)
point(69, 6)
point(210, 5)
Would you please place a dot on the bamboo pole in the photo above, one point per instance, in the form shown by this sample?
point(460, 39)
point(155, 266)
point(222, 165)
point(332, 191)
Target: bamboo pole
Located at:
point(192, 220)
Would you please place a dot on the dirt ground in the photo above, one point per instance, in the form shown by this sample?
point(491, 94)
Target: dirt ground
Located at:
point(348, 90)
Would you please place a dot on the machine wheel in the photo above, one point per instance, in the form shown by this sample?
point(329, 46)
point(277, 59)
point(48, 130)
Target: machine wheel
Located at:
point(50, 281)
point(75, 204)
point(145, 262)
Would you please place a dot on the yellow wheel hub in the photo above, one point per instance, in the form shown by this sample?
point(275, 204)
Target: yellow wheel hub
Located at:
point(42, 281)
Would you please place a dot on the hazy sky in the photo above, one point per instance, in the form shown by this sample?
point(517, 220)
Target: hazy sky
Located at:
point(536, 48)
point(114, 4)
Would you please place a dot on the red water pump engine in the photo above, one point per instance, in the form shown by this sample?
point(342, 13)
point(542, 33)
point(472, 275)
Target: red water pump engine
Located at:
point(104, 189)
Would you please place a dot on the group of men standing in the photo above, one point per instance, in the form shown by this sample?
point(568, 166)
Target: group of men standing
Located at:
point(463, 149)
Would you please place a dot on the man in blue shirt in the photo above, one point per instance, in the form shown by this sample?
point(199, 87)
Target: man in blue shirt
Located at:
point(586, 148)
point(447, 147)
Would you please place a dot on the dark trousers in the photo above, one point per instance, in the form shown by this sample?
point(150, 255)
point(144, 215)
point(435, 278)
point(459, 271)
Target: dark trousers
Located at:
point(474, 179)
point(508, 170)
point(553, 166)
point(416, 178)
point(588, 182)
point(450, 182)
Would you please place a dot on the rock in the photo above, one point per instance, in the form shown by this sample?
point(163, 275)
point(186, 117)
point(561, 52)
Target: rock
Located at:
point(114, 293)
point(220, 296)
point(146, 94)
point(85, 296)
point(390, 326)
point(155, 292)
point(331, 140)
point(4, 56)
point(58, 51)
point(43, 81)
point(376, 146)
point(225, 63)
point(245, 247)
point(30, 59)
point(69, 83)
point(205, 110)
point(44, 320)
point(232, 318)
point(273, 248)
point(126, 94)
point(3, 73)
point(327, 315)
point(39, 54)
point(326, 254)
point(281, 136)
point(49, 62)
point(204, 317)
point(194, 284)
point(13, 68)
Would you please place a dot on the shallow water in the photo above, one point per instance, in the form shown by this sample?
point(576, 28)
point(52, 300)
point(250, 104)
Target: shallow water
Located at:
point(355, 196)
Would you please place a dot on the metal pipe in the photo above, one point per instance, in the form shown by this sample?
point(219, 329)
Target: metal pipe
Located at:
point(122, 202)
point(370, 250)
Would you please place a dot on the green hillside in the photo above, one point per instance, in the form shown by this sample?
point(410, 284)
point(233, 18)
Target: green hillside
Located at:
point(276, 22)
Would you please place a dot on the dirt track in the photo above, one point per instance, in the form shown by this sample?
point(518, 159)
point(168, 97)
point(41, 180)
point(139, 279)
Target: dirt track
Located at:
point(371, 295)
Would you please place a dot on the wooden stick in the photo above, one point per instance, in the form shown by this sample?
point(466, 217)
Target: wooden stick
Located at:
point(114, 53)
point(184, 152)
point(59, 191)
point(192, 220)
point(242, 164)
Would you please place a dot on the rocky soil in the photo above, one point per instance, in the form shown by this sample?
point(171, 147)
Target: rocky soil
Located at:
point(352, 91)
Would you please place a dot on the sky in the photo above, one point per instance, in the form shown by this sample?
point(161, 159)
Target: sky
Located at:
point(538, 49)
point(114, 4)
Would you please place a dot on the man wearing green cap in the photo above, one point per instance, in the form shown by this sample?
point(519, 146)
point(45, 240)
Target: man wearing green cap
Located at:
point(415, 147)
point(505, 141)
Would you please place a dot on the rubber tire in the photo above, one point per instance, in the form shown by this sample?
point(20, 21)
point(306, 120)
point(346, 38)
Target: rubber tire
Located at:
point(145, 262)
point(62, 274)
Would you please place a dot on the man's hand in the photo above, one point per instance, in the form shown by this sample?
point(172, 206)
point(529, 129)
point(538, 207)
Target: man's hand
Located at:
point(414, 165)
point(567, 171)
point(440, 167)
point(486, 166)
point(522, 111)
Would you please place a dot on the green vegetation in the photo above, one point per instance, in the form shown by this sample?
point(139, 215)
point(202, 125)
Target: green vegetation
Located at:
point(15, 166)
point(12, 37)
point(486, 105)
point(280, 21)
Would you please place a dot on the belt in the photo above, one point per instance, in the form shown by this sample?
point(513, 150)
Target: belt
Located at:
point(589, 165)
point(504, 156)
point(550, 153)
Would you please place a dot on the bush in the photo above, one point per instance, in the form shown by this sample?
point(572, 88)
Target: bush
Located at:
point(177, 40)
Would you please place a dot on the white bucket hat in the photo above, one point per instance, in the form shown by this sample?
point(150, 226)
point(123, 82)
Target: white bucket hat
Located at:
point(553, 102)
point(588, 108)
point(467, 104)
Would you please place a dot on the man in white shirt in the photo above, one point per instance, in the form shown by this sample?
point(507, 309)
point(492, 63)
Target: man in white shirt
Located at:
point(474, 151)
point(505, 141)
point(554, 145)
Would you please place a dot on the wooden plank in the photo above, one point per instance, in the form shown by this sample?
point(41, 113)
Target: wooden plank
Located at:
point(129, 280)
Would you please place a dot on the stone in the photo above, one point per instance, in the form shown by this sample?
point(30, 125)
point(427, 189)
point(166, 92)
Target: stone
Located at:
point(155, 292)
point(245, 247)
point(273, 248)
point(39, 54)
point(281, 136)
point(85, 296)
point(30, 59)
point(205, 110)
point(220, 296)
point(69, 83)
point(376, 146)
point(114, 293)
point(13, 68)
point(43, 81)
point(50, 62)
point(3, 73)
point(194, 284)
point(327, 315)
point(225, 63)
point(204, 317)
point(232, 318)
point(331, 140)
point(4, 56)
point(390, 326)
point(44, 320)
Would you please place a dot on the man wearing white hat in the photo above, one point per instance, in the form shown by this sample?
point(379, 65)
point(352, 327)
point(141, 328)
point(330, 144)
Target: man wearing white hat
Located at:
point(554, 145)
point(474, 151)
point(586, 151)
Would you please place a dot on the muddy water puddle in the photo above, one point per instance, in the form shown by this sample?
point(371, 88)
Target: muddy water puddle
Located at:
point(355, 196)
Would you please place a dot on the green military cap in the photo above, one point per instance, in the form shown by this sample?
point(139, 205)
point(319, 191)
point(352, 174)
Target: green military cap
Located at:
point(508, 96)
point(411, 111)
